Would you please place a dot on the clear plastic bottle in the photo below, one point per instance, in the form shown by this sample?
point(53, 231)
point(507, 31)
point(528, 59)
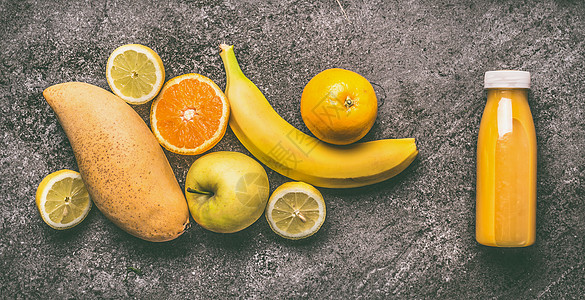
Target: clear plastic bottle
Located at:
point(506, 163)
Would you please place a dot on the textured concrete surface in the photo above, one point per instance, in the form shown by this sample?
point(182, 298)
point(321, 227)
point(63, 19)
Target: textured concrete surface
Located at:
point(409, 237)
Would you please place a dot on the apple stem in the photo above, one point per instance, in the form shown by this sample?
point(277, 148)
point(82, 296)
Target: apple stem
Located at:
point(190, 190)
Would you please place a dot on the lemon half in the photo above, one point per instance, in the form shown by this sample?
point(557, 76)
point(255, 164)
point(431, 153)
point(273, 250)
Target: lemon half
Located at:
point(62, 199)
point(295, 210)
point(135, 73)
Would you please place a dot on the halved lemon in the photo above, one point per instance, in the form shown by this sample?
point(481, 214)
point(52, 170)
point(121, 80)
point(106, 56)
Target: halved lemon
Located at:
point(135, 73)
point(62, 199)
point(190, 115)
point(295, 210)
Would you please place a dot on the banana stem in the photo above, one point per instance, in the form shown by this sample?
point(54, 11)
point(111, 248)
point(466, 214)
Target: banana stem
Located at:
point(232, 68)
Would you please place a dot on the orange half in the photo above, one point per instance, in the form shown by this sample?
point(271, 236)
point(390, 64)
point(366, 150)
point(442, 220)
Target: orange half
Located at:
point(190, 115)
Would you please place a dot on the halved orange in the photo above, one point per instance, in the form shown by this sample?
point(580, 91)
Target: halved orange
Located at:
point(190, 115)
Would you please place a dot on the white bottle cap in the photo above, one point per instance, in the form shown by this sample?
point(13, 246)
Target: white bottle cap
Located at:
point(507, 79)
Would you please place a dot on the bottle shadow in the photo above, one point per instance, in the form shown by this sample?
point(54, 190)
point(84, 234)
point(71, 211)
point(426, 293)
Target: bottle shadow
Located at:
point(509, 269)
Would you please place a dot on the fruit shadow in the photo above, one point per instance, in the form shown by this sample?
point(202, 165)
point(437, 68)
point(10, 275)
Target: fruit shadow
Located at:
point(77, 235)
point(197, 239)
point(390, 184)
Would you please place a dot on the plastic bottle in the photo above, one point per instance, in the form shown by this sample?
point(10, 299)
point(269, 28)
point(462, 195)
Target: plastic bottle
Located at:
point(506, 163)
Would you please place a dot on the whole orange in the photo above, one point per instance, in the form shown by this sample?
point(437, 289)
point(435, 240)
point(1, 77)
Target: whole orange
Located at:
point(339, 106)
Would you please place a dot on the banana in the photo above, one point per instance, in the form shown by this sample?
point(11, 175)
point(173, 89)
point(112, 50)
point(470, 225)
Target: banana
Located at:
point(296, 155)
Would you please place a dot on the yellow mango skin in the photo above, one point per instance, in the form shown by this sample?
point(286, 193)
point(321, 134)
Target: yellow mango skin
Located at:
point(123, 166)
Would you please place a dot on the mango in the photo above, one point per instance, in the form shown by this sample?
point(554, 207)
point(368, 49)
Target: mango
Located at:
point(124, 168)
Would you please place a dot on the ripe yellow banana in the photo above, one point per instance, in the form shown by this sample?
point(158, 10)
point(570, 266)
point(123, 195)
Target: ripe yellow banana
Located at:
point(301, 157)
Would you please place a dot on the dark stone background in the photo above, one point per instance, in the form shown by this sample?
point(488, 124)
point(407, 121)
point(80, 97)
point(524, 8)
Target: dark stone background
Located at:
point(409, 237)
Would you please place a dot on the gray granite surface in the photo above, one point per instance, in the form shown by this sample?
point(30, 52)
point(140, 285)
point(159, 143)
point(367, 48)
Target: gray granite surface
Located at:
point(409, 237)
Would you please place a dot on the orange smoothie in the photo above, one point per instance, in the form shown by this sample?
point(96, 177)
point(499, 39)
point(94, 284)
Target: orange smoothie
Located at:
point(506, 164)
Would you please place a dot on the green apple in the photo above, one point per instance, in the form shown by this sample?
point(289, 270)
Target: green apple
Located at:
point(226, 191)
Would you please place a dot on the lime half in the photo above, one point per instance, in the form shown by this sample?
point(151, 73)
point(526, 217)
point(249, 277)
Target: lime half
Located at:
point(295, 210)
point(135, 73)
point(62, 199)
